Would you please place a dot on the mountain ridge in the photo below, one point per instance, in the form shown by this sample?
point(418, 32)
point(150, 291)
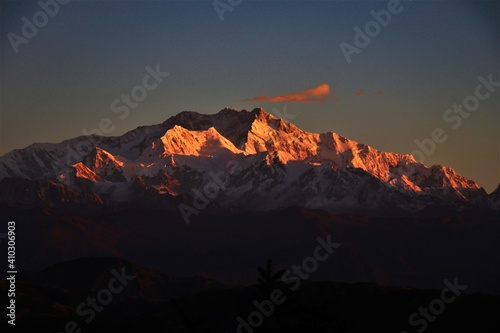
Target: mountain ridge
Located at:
point(281, 165)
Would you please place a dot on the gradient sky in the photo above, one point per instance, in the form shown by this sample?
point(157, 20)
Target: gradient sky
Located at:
point(393, 92)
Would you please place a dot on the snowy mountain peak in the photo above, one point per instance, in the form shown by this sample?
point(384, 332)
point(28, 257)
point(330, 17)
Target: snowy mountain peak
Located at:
point(280, 165)
point(181, 141)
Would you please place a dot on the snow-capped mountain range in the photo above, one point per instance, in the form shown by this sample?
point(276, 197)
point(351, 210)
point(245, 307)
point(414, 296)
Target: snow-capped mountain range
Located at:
point(241, 159)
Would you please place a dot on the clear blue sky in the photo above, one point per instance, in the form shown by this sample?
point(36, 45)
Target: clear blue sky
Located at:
point(64, 79)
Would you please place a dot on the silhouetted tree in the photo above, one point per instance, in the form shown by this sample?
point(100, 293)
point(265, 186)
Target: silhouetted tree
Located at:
point(267, 280)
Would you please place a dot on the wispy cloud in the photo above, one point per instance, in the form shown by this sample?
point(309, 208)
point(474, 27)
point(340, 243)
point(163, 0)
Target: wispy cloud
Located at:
point(318, 94)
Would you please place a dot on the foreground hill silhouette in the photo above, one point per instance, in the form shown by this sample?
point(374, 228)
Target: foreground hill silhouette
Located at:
point(155, 301)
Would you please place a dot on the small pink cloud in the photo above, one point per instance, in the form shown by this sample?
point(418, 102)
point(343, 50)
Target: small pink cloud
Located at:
point(360, 92)
point(318, 94)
